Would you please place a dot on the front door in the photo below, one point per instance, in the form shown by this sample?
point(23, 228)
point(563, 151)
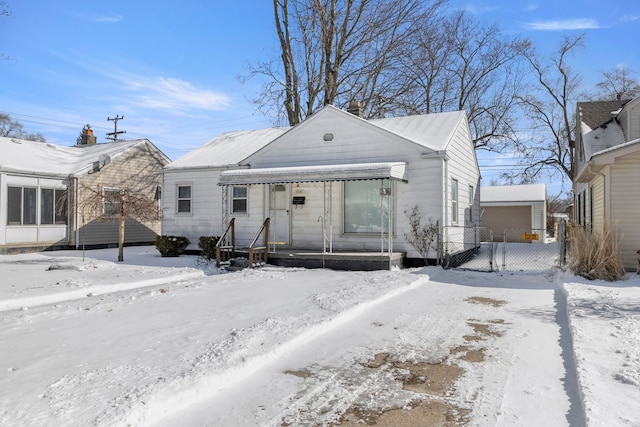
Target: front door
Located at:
point(279, 214)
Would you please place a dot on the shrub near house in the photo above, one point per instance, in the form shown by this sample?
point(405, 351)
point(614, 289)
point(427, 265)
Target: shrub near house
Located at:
point(171, 246)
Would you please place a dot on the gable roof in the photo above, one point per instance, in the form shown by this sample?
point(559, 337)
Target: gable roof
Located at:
point(431, 131)
point(596, 113)
point(40, 158)
point(227, 149)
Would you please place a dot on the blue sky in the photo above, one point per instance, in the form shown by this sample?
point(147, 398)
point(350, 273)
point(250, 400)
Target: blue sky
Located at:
point(171, 68)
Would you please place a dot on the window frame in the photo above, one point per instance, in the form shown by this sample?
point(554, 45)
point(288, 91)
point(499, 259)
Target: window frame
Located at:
point(454, 199)
point(375, 204)
point(106, 202)
point(28, 205)
point(180, 198)
point(239, 199)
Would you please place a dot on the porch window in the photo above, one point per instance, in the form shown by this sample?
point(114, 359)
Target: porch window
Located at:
point(21, 209)
point(184, 199)
point(454, 200)
point(239, 200)
point(53, 206)
point(364, 211)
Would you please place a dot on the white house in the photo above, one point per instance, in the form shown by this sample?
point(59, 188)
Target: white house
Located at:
point(42, 188)
point(607, 164)
point(515, 212)
point(334, 183)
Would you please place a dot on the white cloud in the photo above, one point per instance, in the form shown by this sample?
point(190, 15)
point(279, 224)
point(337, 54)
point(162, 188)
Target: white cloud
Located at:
point(111, 19)
point(172, 94)
point(629, 18)
point(568, 24)
point(477, 9)
point(531, 7)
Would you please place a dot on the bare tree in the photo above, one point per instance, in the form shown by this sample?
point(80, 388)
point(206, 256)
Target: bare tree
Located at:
point(14, 129)
point(108, 204)
point(619, 83)
point(457, 63)
point(331, 50)
point(395, 58)
point(548, 108)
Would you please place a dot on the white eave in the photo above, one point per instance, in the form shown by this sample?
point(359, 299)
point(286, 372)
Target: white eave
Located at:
point(323, 173)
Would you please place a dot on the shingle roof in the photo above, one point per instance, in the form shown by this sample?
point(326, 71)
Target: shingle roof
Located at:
point(51, 159)
point(596, 113)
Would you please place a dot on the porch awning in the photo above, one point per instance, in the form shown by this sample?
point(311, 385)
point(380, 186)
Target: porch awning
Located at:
point(320, 173)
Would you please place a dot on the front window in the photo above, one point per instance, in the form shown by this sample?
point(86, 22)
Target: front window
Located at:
point(21, 209)
point(47, 207)
point(14, 211)
point(364, 210)
point(184, 199)
point(454, 200)
point(239, 200)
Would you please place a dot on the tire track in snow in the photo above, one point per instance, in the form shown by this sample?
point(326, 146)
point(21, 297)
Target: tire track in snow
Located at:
point(94, 290)
point(195, 386)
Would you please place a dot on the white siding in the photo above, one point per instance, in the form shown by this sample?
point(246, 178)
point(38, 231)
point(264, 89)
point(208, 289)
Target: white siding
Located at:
point(625, 204)
point(205, 218)
point(354, 141)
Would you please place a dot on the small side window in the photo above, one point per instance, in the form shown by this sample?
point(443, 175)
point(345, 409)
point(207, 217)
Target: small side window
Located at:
point(239, 200)
point(184, 199)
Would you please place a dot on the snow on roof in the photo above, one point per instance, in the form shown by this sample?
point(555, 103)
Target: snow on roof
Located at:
point(430, 130)
point(433, 131)
point(513, 193)
point(606, 136)
point(51, 159)
point(227, 149)
point(338, 172)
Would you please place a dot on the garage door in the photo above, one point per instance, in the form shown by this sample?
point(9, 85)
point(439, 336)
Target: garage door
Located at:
point(513, 219)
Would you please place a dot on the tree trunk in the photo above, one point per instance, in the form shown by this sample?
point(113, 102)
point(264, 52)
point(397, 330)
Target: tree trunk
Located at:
point(123, 219)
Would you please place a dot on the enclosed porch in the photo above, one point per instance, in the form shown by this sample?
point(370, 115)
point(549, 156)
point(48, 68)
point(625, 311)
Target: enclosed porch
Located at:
point(328, 216)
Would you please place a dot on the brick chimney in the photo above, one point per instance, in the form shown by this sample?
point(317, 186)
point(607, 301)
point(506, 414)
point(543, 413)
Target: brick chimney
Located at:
point(354, 108)
point(87, 137)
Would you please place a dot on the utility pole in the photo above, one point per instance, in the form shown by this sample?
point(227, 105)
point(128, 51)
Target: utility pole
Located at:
point(114, 135)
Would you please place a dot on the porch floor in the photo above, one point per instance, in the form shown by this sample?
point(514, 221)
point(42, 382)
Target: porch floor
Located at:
point(347, 260)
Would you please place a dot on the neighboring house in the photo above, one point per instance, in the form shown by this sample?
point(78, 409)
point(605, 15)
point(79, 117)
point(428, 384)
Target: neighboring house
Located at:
point(515, 212)
point(607, 164)
point(43, 188)
point(335, 182)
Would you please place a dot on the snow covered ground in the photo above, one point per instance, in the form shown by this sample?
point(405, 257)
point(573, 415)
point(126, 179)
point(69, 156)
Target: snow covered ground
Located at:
point(162, 341)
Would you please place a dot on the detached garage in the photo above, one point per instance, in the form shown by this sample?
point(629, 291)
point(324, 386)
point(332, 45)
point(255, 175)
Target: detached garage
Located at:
point(517, 211)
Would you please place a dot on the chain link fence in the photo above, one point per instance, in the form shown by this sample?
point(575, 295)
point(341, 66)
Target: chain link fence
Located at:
point(467, 247)
point(482, 249)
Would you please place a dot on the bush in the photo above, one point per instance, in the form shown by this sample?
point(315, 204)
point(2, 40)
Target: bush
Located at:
point(171, 246)
point(422, 237)
point(207, 245)
point(595, 256)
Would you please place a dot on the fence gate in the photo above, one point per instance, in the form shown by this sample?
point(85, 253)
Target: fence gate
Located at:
point(468, 247)
point(531, 250)
point(483, 249)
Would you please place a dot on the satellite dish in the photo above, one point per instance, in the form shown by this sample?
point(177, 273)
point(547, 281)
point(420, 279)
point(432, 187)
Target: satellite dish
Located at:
point(103, 160)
